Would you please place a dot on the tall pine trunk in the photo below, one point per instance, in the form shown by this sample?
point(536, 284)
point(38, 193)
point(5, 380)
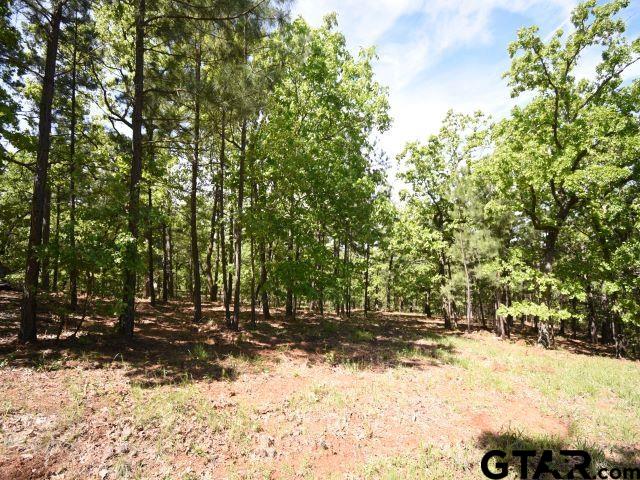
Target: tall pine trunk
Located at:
point(366, 280)
point(237, 230)
point(263, 280)
point(195, 254)
point(223, 249)
point(467, 283)
point(229, 260)
point(46, 236)
point(73, 269)
point(165, 263)
point(254, 195)
point(127, 317)
point(56, 242)
point(28, 325)
point(213, 246)
point(253, 282)
point(446, 304)
point(171, 280)
point(388, 286)
point(150, 266)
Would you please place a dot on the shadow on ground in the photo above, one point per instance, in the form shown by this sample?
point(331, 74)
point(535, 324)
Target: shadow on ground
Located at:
point(169, 348)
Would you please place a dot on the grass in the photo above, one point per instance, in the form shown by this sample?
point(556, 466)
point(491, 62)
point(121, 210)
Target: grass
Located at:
point(429, 463)
point(373, 389)
point(74, 410)
point(360, 335)
point(319, 396)
point(599, 395)
point(177, 410)
point(199, 352)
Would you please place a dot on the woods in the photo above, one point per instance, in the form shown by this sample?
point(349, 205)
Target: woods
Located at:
point(224, 151)
point(214, 264)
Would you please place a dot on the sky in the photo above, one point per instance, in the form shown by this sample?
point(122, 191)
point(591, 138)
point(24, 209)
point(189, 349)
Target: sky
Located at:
point(436, 55)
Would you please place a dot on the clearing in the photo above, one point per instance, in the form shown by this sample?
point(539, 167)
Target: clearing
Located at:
point(390, 396)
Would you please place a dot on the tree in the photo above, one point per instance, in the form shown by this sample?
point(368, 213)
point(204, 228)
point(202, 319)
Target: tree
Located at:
point(28, 327)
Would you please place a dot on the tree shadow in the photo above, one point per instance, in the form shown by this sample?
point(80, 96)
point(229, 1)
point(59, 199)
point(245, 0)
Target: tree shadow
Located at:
point(163, 350)
point(527, 333)
point(169, 348)
point(378, 341)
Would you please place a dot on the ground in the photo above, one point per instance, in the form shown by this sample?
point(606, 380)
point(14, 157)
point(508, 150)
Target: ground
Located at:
point(389, 396)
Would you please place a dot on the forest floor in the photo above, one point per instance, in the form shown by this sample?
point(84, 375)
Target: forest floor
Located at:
point(389, 396)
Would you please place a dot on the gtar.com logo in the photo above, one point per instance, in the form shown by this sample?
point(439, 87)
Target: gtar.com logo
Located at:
point(578, 465)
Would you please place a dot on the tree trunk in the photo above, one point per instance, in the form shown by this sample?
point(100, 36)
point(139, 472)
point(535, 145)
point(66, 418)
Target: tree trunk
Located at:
point(593, 326)
point(253, 282)
point(212, 283)
point(237, 232)
point(501, 329)
point(229, 271)
point(484, 320)
point(127, 317)
point(321, 238)
point(216, 272)
point(73, 268)
point(446, 306)
point(296, 301)
point(467, 282)
point(165, 263)
point(366, 280)
point(254, 195)
point(56, 242)
point(190, 278)
point(389, 277)
point(545, 330)
point(28, 325)
point(427, 304)
point(195, 254)
point(336, 260)
point(171, 282)
point(289, 302)
point(263, 280)
point(46, 236)
point(347, 296)
point(223, 251)
point(150, 271)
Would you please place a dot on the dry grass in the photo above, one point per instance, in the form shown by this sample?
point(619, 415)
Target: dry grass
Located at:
point(390, 397)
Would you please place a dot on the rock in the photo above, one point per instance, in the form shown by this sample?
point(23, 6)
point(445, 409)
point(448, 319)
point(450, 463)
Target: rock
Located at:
point(103, 473)
point(123, 448)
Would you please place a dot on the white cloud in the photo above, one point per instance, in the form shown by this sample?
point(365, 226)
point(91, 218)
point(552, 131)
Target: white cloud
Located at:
point(416, 42)
point(412, 36)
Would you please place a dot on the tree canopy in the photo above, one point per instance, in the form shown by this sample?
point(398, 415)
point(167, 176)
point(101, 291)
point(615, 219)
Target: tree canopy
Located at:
point(224, 152)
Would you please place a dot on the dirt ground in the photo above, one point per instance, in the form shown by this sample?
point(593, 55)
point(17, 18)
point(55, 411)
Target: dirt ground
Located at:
point(303, 398)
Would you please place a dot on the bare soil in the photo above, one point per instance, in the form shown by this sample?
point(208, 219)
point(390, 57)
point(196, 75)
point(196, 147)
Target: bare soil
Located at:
point(303, 398)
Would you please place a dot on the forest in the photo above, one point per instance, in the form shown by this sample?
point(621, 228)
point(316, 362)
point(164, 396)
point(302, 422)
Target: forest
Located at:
point(218, 163)
point(146, 148)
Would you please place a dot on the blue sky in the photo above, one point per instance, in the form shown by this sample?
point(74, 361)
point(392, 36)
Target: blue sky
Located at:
point(440, 54)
